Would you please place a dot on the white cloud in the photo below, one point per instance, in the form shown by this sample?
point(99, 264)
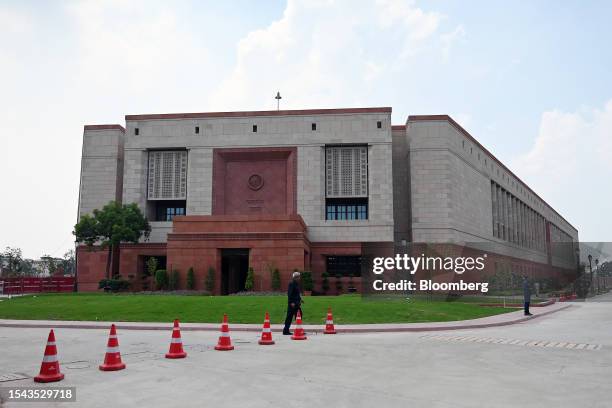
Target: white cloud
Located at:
point(450, 39)
point(325, 53)
point(570, 163)
point(82, 62)
point(135, 46)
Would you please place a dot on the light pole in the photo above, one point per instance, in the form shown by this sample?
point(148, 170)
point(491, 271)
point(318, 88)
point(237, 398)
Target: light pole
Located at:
point(591, 272)
point(597, 272)
point(578, 283)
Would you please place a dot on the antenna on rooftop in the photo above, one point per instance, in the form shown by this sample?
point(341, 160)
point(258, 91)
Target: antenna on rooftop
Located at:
point(278, 97)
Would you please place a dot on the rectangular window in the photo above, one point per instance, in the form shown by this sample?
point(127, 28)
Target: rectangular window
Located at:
point(343, 265)
point(167, 176)
point(167, 210)
point(346, 171)
point(346, 209)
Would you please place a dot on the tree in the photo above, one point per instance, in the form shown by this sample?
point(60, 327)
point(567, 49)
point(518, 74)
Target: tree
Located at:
point(338, 283)
point(13, 260)
point(190, 283)
point(210, 280)
point(249, 284)
point(161, 279)
point(49, 265)
point(173, 282)
point(325, 282)
point(110, 226)
point(276, 281)
point(27, 268)
point(152, 266)
point(307, 283)
point(68, 263)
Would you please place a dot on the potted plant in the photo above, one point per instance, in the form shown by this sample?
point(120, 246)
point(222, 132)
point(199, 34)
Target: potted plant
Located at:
point(209, 283)
point(307, 283)
point(276, 280)
point(351, 285)
point(190, 283)
point(339, 284)
point(249, 284)
point(325, 282)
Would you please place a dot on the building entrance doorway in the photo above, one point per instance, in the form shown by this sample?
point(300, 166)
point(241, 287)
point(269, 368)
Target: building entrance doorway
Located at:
point(234, 269)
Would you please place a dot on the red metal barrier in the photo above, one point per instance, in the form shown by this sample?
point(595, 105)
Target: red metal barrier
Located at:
point(14, 286)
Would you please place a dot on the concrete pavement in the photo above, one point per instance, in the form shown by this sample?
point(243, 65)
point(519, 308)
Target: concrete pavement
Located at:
point(358, 370)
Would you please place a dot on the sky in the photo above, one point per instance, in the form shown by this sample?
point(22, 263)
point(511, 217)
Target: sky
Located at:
point(530, 80)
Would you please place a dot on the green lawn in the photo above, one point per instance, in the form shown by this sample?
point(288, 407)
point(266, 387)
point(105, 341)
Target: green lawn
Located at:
point(240, 309)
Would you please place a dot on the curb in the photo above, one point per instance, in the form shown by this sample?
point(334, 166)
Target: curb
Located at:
point(520, 305)
point(257, 328)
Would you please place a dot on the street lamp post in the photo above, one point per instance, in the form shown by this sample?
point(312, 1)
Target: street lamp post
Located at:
point(597, 272)
point(591, 272)
point(578, 282)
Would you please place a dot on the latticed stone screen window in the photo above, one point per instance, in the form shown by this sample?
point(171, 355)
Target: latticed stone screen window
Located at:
point(346, 171)
point(167, 175)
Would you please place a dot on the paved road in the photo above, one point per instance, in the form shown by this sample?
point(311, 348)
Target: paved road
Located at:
point(523, 365)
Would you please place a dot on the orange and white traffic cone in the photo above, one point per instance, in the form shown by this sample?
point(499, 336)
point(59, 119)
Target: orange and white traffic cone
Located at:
point(50, 369)
point(329, 323)
point(266, 333)
point(225, 342)
point(176, 344)
point(298, 333)
point(112, 359)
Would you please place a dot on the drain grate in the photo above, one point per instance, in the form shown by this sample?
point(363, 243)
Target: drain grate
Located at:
point(516, 342)
point(12, 377)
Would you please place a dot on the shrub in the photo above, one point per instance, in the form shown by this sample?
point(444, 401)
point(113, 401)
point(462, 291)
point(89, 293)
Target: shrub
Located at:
point(173, 282)
point(190, 279)
point(250, 280)
point(307, 280)
point(161, 279)
point(276, 281)
point(339, 283)
point(209, 283)
point(151, 266)
point(325, 282)
point(116, 284)
point(351, 284)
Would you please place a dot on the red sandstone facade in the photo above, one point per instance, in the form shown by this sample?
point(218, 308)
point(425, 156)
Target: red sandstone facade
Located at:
point(287, 190)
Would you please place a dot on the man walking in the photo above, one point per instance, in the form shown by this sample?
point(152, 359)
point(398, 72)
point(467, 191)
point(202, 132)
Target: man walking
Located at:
point(294, 301)
point(526, 295)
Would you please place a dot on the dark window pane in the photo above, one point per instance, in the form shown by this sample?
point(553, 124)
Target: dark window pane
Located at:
point(344, 265)
point(346, 208)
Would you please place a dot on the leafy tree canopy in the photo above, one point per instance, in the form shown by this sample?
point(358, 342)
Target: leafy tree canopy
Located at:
point(113, 224)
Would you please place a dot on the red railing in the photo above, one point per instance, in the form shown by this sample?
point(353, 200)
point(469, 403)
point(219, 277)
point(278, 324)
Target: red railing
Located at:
point(11, 286)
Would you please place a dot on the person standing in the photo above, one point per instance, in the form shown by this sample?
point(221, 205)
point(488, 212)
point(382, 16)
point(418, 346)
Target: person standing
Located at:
point(294, 301)
point(526, 295)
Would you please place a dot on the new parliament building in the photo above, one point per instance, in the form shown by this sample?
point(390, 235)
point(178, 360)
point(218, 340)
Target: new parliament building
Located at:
point(308, 190)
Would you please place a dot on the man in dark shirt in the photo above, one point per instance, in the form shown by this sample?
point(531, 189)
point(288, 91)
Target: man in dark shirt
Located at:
point(294, 301)
point(526, 295)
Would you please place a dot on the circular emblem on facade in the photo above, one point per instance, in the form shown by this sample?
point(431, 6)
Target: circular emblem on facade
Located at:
point(256, 182)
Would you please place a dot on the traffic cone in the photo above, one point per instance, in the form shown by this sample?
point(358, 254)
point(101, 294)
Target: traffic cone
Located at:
point(50, 369)
point(112, 359)
point(225, 342)
point(298, 333)
point(176, 344)
point(329, 323)
point(266, 333)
